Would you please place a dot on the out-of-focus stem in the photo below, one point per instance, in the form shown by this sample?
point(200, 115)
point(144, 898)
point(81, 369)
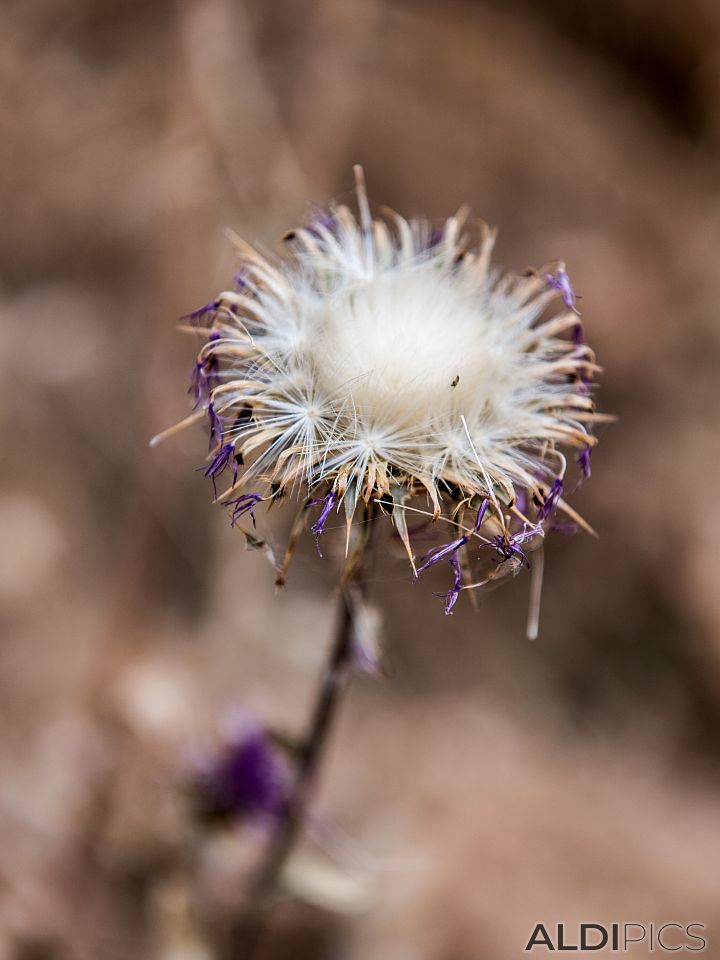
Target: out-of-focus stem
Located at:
point(246, 939)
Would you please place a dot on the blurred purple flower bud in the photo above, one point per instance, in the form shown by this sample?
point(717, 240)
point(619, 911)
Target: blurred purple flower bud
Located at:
point(247, 778)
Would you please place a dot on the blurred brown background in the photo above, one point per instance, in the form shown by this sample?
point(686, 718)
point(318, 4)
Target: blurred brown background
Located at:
point(487, 783)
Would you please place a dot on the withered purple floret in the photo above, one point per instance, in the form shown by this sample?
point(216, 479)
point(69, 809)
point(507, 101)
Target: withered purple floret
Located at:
point(561, 282)
point(450, 597)
point(449, 552)
point(435, 238)
point(319, 525)
point(203, 380)
point(215, 426)
point(241, 505)
point(210, 307)
point(219, 462)
point(321, 217)
point(584, 462)
point(550, 502)
point(509, 547)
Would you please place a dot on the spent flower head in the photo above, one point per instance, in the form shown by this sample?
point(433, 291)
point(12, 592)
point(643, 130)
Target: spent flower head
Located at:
point(386, 361)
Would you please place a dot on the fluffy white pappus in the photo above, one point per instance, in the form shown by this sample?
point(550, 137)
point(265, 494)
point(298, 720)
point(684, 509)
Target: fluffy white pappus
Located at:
point(379, 360)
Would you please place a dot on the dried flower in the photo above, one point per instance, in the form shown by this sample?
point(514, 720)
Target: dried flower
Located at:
point(384, 360)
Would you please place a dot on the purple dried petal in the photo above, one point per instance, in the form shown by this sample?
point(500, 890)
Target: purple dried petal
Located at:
point(205, 375)
point(219, 462)
point(449, 551)
point(453, 593)
point(551, 500)
point(215, 425)
point(586, 376)
point(522, 500)
point(198, 384)
point(319, 525)
point(508, 547)
point(436, 237)
point(584, 462)
point(440, 553)
point(242, 505)
point(562, 284)
point(481, 513)
point(203, 380)
point(210, 307)
point(321, 218)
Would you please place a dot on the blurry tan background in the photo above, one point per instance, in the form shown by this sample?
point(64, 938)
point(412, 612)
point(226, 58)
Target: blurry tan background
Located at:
point(486, 784)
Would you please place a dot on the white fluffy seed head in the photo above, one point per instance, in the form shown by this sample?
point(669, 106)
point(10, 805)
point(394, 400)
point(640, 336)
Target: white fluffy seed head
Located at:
point(413, 348)
point(381, 360)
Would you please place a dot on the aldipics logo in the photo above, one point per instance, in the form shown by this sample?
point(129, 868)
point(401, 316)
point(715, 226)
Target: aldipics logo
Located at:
point(619, 937)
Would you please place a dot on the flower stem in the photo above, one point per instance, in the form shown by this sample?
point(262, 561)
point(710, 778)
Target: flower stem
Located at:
point(248, 937)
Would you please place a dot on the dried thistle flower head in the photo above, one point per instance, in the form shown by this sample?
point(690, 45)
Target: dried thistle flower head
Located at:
point(379, 361)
